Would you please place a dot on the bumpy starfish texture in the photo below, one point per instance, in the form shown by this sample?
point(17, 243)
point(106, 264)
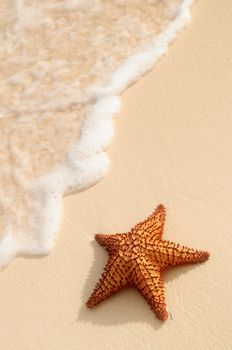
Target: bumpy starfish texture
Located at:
point(138, 258)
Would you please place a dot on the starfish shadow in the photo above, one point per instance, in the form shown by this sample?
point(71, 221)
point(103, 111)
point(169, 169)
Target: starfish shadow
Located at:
point(126, 306)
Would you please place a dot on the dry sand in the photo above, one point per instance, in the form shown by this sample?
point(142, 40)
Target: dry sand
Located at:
point(172, 145)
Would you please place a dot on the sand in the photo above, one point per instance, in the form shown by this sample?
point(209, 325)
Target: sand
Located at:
point(179, 117)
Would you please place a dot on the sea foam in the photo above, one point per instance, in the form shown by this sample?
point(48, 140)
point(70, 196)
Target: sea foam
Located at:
point(65, 63)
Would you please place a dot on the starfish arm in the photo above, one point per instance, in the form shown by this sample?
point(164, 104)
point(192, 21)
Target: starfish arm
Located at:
point(113, 279)
point(153, 226)
point(171, 254)
point(110, 242)
point(148, 281)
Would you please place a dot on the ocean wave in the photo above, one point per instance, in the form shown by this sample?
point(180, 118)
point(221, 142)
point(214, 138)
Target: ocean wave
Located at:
point(64, 66)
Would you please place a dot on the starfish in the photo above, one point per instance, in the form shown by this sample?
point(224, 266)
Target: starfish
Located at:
point(138, 258)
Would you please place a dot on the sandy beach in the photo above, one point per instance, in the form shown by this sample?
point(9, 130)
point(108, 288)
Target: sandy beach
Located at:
point(172, 145)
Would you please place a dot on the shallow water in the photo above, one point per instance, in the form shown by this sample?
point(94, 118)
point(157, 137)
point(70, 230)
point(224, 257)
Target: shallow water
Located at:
point(63, 65)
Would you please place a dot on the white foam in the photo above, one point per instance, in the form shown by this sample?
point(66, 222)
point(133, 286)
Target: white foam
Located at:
point(86, 162)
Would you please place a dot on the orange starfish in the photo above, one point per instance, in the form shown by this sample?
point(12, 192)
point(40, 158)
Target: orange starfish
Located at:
point(138, 258)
